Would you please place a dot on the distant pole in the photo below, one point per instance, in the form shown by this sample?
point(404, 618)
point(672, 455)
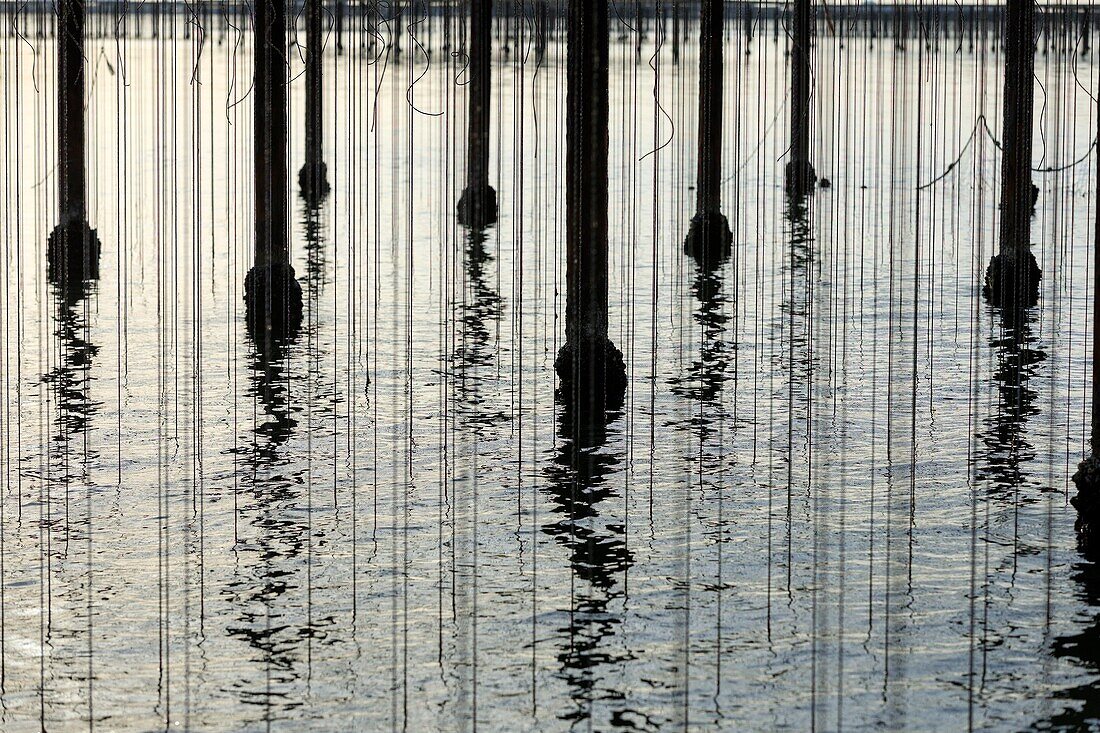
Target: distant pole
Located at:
point(1012, 279)
point(543, 30)
point(313, 177)
point(1084, 31)
point(398, 13)
point(72, 251)
point(477, 206)
point(800, 173)
point(676, 31)
point(339, 26)
point(272, 294)
point(709, 236)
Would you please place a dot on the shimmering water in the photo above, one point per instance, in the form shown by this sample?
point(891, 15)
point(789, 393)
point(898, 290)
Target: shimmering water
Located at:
point(836, 496)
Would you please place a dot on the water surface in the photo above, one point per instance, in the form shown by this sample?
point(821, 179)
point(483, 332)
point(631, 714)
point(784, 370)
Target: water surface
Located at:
point(836, 496)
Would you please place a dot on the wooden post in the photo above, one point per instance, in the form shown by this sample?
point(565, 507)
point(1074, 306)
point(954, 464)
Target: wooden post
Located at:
point(313, 177)
point(541, 30)
point(272, 294)
point(709, 237)
point(399, 29)
point(1019, 96)
point(1012, 279)
point(72, 251)
point(590, 367)
point(800, 173)
point(270, 126)
point(676, 31)
point(710, 106)
point(70, 110)
point(339, 27)
point(477, 207)
point(1085, 31)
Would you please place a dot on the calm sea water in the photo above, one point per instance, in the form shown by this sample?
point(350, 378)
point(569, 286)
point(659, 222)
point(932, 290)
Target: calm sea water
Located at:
point(836, 496)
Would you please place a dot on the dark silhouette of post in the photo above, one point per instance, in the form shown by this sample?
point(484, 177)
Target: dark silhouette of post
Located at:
point(70, 110)
point(1012, 280)
point(1085, 31)
point(398, 14)
point(800, 173)
point(709, 236)
point(477, 207)
point(72, 250)
point(313, 177)
point(586, 523)
point(273, 297)
point(339, 27)
point(1087, 476)
point(542, 29)
point(676, 31)
point(591, 369)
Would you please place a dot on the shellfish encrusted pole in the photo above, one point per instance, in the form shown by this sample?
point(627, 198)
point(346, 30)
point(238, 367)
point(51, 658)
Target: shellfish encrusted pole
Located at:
point(272, 294)
point(313, 177)
point(72, 252)
point(709, 237)
point(800, 173)
point(478, 205)
point(1012, 280)
point(590, 367)
point(71, 189)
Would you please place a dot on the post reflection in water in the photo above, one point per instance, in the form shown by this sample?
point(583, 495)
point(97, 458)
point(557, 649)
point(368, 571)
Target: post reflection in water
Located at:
point(1080, 703)
point(797, 367)
point(477, 310)
point(477, 306)
point(712, 430)
point(271, 586)
point(1004, 462)
point(1007, 450)
point(65, 507)
point(70, 380)
point(707, 373)
point(584, 521)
